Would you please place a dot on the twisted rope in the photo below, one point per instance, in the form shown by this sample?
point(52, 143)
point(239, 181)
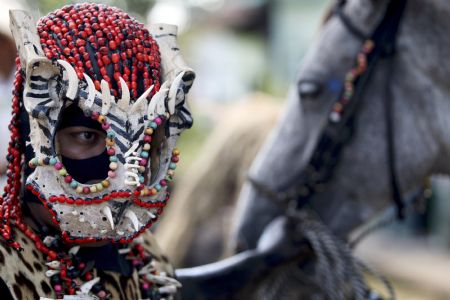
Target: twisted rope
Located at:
point(337, 272)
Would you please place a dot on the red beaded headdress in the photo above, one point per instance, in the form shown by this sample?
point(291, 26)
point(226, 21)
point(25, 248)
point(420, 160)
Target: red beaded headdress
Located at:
point(103, 42)
point(108, 64)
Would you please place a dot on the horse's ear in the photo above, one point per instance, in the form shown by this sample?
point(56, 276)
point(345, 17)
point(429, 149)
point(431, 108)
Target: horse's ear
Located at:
point(172, 62)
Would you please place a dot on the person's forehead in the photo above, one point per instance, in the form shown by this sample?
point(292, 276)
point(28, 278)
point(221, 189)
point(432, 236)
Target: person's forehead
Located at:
point(74, 116)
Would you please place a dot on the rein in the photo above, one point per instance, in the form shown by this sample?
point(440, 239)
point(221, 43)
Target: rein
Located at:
point(341, 122)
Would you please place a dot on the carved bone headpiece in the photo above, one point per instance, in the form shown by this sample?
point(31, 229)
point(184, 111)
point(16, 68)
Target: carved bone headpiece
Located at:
point(110, 66)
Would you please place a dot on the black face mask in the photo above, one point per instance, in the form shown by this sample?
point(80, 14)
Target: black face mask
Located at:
point(85, 170)
point(82, 170)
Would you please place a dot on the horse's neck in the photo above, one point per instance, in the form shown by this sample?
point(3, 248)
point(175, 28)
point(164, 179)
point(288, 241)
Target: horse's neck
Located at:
point(419, 84)
point(421, 109)
point(423, 72)
point(424, 40)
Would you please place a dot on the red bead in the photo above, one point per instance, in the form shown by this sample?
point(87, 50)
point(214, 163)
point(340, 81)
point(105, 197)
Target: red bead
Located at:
point(95, 115)
point(115, 58)
point(82, 35)
point(102, 42)
point(106, 60)
point(68, 179)
point(86, 190)
point(52, 255)
point(81, 42)
point(88, 276)
point(112, 45)
point(97, 201)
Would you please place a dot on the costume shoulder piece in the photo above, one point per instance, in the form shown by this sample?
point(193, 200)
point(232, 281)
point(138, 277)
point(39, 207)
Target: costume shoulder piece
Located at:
point(131, 83)
point(25, 274)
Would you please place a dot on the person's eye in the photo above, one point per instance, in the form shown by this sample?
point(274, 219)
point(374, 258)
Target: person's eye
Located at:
point(85, 137)
point(89, 136)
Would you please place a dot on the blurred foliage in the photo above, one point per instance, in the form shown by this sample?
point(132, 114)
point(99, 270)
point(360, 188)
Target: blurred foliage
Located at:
point(191, 141)
point(137, 8)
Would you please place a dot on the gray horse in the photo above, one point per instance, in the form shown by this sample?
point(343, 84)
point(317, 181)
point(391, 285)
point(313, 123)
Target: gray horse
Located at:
point(360, 187)
point(421, 109)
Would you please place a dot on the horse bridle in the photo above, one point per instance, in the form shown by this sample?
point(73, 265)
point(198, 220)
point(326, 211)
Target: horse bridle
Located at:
point(381, 44)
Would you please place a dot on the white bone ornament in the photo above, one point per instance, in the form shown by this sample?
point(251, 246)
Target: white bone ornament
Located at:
point(23, 29)
point(48, 240)
point(162, 279)
point(132, 167)
point(91, 91)
point(81, 297)
point(72, 89)
point(124, 101)
point(174, 90)
point(142, 101)
point(107, 212)
point(74, 250)
point(32, 58)
point(106, 97)
point(133, 218)
point(53, 264)
point(156, 106)
point(150, 214)
point(50, 273)
point(172, 62)
point(87, 286)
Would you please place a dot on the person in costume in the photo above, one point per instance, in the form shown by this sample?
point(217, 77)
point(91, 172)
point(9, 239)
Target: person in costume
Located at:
point(96, 121)
point(99, 102)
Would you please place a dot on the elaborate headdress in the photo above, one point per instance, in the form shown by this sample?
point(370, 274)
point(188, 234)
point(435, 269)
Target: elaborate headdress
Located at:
point(130, 80)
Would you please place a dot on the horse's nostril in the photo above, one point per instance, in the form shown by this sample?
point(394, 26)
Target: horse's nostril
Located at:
point(309, 88)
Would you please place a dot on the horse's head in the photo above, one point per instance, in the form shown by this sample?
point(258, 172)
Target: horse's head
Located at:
point(359, 187)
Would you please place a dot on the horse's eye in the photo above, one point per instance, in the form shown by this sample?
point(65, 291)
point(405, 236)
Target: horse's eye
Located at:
point(309, 88)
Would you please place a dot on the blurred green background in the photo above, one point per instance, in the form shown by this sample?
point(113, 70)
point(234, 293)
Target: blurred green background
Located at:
point(235, 47)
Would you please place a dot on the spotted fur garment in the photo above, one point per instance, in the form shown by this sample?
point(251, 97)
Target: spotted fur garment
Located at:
point(23, 273)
